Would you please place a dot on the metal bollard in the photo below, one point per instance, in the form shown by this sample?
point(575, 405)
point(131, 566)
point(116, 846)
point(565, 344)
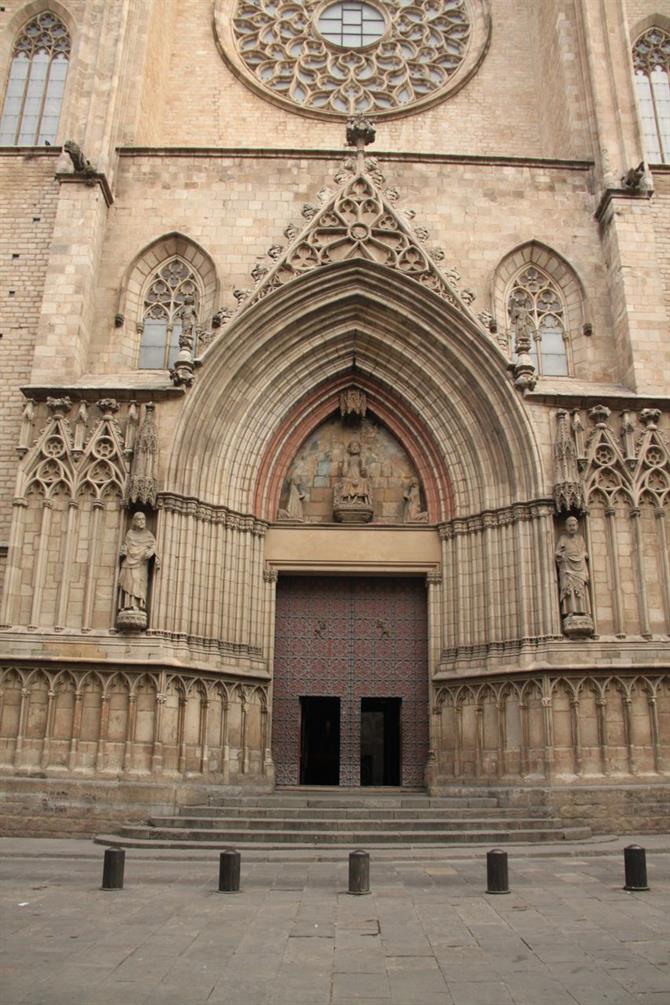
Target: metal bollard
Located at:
point(497, 876)
point(229, 871)
point(359, 873)
point(112, 869)
point(635, 867)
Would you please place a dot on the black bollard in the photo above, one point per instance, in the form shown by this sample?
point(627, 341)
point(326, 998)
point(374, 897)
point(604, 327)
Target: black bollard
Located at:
point(112, 869)
point(229, 871)
point(359, 873)
point(497, 877)
point(635, 866)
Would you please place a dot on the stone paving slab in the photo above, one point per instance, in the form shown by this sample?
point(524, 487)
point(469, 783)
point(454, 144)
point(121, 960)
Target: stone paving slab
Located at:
point(568, 934)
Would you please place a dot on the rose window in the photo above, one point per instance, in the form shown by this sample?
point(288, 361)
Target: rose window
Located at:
point(351, 58)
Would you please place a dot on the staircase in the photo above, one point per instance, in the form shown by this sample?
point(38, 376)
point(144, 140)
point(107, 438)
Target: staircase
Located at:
point(308, 818)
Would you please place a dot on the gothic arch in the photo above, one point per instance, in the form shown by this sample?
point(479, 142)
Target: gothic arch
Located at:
point(416, 348)
point(556, 266)
point(150, 258)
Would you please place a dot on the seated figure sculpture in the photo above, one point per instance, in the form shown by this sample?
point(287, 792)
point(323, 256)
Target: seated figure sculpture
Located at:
point(352, 498)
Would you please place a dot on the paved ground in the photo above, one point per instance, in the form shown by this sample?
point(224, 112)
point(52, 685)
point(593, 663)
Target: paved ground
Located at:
point(427, 934)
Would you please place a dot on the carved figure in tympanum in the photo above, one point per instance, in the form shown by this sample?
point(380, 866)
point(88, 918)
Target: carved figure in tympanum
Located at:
point(352, 501)
point(294, 509)
point(412, 510)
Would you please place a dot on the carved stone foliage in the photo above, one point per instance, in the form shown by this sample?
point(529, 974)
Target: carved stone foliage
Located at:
point(417, 53)
point(351, 478)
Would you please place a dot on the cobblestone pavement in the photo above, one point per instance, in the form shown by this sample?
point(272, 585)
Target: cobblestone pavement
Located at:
point(427, 934)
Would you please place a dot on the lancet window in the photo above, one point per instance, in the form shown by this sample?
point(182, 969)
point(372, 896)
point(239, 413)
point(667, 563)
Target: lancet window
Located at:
point(535, 291)
point(651, 59)
point(36, 83)
point(164, 296)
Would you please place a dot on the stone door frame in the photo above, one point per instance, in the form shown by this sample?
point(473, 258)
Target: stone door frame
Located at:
point(433, 580)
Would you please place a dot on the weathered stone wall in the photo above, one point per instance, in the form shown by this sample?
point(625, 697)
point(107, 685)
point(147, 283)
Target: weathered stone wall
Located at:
point(29, 205)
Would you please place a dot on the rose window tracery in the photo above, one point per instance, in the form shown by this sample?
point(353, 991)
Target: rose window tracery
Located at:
point(349, 58)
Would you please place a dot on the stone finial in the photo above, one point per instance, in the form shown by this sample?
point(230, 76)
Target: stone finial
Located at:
point(59, 406)
point(107, 407)
point(650, 417)
point(360, 132)
point(599, 415)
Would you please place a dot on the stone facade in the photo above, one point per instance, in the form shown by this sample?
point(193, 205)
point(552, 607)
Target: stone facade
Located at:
point(349, 284)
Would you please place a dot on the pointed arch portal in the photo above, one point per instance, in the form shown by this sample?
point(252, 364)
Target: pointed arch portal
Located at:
point(441, 388)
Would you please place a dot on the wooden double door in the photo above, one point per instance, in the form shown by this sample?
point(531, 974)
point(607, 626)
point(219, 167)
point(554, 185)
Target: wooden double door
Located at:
point(350, 701)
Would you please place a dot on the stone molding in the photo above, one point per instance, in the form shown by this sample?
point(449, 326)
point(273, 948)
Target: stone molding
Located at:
point(172, 502)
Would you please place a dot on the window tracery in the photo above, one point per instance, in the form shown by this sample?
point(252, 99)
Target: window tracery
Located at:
point(36, 85)
point(651, 59)
point(164, 297)
point(353, 57)
point(536, 292)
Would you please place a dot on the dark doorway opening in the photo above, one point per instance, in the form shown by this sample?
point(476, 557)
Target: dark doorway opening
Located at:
point(320, 741)
point(380, 741)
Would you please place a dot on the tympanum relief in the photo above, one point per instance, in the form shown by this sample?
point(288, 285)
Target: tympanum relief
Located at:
point(353, 475)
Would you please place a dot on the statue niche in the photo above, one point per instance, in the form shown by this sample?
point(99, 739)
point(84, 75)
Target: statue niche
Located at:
point(352, 476)
point(137, 552)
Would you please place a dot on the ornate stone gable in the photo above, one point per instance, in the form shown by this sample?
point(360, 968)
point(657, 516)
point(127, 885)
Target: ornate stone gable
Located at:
point(360, 220)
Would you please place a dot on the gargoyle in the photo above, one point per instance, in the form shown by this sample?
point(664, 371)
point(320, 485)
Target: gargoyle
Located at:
point(79, 163)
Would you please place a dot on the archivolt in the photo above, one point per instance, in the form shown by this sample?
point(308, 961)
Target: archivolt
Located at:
point(412, 346)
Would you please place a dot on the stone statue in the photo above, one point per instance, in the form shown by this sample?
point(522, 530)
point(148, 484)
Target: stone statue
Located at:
point(294, 506)
point(189, 320)
point(353, 499)
point(573, 579)
point(412, 512)
point(137, 551)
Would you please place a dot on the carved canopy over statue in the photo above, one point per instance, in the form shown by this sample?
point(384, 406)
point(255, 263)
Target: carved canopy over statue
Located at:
point(137, 551)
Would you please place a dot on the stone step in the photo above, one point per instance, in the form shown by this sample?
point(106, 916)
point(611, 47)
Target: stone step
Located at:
point(310, 825)
point(355, 802)
point(339, 812)
point(176, 838)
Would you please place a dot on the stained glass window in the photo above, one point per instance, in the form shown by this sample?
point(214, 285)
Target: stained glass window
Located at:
point(164, 296)
point(36, 83)
point(651, 59)
point(536, 291)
